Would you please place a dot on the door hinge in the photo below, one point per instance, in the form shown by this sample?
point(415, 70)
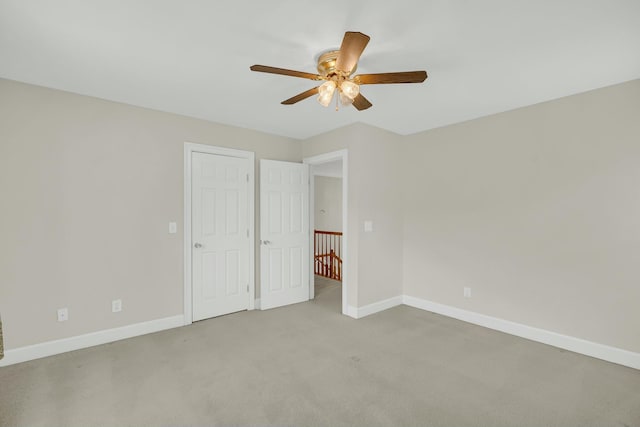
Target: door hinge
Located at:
point(247, 287)
point(247, 233)
point(247, 177)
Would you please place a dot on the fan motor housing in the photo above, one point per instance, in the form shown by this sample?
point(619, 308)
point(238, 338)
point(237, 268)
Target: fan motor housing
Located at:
point(327, 63)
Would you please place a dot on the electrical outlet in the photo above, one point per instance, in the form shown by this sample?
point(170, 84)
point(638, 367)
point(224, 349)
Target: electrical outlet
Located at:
point(63, 314)
point(467, 292)
point(116, 305)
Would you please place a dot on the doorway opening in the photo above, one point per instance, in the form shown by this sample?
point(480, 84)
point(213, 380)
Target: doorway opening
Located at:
point(328, 220)
point(327, 236)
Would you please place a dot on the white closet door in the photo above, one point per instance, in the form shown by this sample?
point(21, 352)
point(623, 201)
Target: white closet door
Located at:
point(220, 236)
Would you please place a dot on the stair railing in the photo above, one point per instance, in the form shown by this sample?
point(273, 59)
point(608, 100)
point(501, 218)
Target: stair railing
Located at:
point(328, 254)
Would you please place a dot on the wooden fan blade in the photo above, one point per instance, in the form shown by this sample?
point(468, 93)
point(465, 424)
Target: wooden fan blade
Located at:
point(361, 103)
point(299, 97)
point(285, 72)
point(384, 78)
point(353, 44)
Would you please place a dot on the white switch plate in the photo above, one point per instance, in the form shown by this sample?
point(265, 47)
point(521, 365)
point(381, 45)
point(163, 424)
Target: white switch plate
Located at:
point(116, 305)
point(63, 314)
point(368, 226)
point(173, 228)
point(467, 292)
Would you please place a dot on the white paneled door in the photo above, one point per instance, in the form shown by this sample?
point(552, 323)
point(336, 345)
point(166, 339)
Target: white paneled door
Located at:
point(220, 235)
point(284, 233)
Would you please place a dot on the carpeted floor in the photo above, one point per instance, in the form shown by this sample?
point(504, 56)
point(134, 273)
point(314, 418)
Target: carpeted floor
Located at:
point(307, 365)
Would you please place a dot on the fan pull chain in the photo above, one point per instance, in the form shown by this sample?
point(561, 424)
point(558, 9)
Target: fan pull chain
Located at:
point(337, 97)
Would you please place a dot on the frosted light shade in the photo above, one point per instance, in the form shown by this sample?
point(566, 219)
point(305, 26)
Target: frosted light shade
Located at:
point(345, 100)
point(350, 89)
point(327, 87)
point(325, 91)
point(325, 98)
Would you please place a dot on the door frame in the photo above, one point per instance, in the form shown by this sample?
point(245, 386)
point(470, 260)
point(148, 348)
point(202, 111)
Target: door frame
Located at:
point(317, 160)
point(189, 148)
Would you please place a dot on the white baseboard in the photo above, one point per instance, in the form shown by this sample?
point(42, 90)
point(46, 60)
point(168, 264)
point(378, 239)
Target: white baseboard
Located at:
point(257, 305)
point(49, 348)
point(577, 345)
point(360, 312)
point(352, 311)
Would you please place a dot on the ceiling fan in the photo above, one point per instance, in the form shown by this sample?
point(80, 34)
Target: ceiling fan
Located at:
point(336, 67)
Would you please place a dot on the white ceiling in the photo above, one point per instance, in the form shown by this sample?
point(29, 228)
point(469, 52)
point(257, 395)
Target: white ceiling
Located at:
point(193, 57)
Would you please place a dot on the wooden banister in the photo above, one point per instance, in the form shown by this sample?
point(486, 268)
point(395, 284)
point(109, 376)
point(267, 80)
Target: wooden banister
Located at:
point(328, 254)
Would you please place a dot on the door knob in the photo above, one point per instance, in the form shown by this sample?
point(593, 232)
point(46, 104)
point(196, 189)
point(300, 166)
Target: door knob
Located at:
point(266, 242)
point(197, 245)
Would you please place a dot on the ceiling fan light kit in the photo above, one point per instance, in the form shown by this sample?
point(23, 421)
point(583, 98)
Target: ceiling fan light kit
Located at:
point(325, 91)
point(336, 67)
point(345, 100)
point(350, 89)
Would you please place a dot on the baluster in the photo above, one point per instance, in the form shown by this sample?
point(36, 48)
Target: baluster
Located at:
point(331, 255)
point(331, 264)
point(324, 258)
point(340, 256)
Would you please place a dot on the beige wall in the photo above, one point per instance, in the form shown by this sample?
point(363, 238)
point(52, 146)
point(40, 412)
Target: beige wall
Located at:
point(537, 210)
point(374, 263)
point(328, 203)
point(88, 188)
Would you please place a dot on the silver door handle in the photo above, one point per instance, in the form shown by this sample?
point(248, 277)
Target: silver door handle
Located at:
point(197, 245)
point(266, 242)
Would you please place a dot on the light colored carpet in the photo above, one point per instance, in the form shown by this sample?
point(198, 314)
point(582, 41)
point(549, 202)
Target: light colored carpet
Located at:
point(330, 291)
point(307, 365)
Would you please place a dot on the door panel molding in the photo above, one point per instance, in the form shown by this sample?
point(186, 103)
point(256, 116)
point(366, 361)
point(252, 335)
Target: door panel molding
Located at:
point(221, 233)
point(284, 229)
point(189, 148)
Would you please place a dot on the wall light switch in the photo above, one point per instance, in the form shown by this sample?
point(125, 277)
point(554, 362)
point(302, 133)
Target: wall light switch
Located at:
point(173, 228)
point(116, 305)
point(467, 292)
point(63, 314)
point(368, 226)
